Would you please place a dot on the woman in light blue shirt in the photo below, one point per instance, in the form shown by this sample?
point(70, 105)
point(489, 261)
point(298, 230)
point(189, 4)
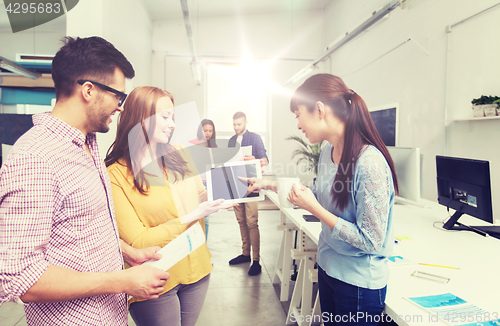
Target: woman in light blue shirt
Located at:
point(353, 197)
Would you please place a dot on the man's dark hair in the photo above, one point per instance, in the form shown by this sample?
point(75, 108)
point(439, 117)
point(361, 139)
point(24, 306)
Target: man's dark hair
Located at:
point(91, 58)
point(238, 115)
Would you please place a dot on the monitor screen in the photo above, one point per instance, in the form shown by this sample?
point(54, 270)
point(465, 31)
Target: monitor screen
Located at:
point(407, 164)
point(464, 185)
point(13, 126)
point(385, 119)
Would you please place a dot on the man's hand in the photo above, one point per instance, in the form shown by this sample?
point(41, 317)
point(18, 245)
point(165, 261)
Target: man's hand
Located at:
point(144, 281)
point(248, 157)
point(139, 256)
point(62, 284)
point(134, 256)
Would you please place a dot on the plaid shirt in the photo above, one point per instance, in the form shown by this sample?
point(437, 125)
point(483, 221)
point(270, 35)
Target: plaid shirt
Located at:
point(56, 209)
point(250, 138)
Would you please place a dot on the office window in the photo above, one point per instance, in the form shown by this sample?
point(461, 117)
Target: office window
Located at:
point(235, 87)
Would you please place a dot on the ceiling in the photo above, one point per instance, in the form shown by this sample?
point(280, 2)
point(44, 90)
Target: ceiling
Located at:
point(170, 9)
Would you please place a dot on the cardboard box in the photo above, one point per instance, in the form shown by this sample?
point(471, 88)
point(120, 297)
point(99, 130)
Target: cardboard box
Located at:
point(19, 81)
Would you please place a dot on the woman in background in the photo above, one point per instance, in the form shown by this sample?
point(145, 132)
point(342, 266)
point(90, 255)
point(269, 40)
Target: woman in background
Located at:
point(206, 138)
point(353, 197)
point(158, 194)
point(206, 133)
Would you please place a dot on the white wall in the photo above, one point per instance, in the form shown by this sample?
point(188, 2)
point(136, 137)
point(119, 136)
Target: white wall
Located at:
point(295, 36)
point(124, 23)
point(42, 40)
point(417, 81)
point(127, 25)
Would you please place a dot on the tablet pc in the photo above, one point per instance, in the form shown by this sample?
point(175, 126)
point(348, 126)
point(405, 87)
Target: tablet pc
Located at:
point(223, 181)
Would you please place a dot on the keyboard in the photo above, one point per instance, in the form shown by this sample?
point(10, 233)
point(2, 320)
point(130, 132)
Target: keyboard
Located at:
point(492, 230)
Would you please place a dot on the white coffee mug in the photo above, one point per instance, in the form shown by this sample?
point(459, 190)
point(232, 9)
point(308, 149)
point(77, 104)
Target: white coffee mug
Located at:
point(284, 188)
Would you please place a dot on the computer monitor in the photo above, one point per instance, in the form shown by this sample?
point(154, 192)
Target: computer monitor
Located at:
point(385, 119)
point(407, 163)
point(464, 185)
point(13, 126)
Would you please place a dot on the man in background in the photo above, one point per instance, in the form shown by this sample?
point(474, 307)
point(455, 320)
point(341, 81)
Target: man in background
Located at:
point(247, 214)
point(59, 246)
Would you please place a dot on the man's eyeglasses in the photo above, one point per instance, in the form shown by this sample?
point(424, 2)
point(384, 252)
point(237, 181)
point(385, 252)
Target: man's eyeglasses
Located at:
point(121, 98)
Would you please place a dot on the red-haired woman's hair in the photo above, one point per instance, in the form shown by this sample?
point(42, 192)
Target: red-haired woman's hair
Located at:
point(359, 128)
point(139, 106)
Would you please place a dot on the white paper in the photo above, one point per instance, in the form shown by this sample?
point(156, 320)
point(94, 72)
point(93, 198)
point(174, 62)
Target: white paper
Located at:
point(240, 156)
point(246, 150)
point(187, 242)
point(454, 310)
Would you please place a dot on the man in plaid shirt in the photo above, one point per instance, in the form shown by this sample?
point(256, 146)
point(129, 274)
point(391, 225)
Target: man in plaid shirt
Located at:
point(60, 252)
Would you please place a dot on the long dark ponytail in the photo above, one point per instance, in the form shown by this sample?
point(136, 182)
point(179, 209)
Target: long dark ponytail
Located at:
point(359, 128)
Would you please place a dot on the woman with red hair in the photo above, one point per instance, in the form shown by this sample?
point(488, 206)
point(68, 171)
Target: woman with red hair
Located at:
point(158, 194)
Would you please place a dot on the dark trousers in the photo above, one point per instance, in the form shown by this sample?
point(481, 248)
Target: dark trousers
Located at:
point(346, 304)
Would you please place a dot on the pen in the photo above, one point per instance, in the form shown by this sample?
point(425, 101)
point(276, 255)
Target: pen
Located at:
point(439, 266)
point(473, 229)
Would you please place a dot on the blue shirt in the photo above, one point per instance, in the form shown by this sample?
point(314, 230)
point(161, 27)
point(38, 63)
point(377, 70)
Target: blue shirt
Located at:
point(355, 250)
point(251, 138)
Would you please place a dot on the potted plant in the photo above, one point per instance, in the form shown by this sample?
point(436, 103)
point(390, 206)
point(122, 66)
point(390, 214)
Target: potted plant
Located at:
point(309, 153)
point(486, 106)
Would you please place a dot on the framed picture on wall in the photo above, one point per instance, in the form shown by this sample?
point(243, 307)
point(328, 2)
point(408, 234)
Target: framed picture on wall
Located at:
point(386, 120)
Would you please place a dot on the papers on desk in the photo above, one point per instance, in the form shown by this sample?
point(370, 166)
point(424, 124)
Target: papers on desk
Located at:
point(187, 242)
point(453, 310)
point(399, 261)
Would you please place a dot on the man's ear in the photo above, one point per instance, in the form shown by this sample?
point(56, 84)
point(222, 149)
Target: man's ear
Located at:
point(320, 108)
point(87, 90)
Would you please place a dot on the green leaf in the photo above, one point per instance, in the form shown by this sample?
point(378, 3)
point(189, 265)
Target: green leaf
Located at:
point(309, 153)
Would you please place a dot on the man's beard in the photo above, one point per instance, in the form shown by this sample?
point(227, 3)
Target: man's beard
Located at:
point(98, 118)
point(103, 125)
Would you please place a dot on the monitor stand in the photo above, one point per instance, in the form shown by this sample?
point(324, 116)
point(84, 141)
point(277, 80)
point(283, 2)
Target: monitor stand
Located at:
point(453, 224)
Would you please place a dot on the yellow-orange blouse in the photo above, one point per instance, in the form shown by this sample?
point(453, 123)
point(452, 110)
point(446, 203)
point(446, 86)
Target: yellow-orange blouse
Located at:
point(153, 219)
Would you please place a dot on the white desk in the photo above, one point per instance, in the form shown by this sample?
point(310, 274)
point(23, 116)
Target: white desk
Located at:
point(477, 281)
point(305, 253)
